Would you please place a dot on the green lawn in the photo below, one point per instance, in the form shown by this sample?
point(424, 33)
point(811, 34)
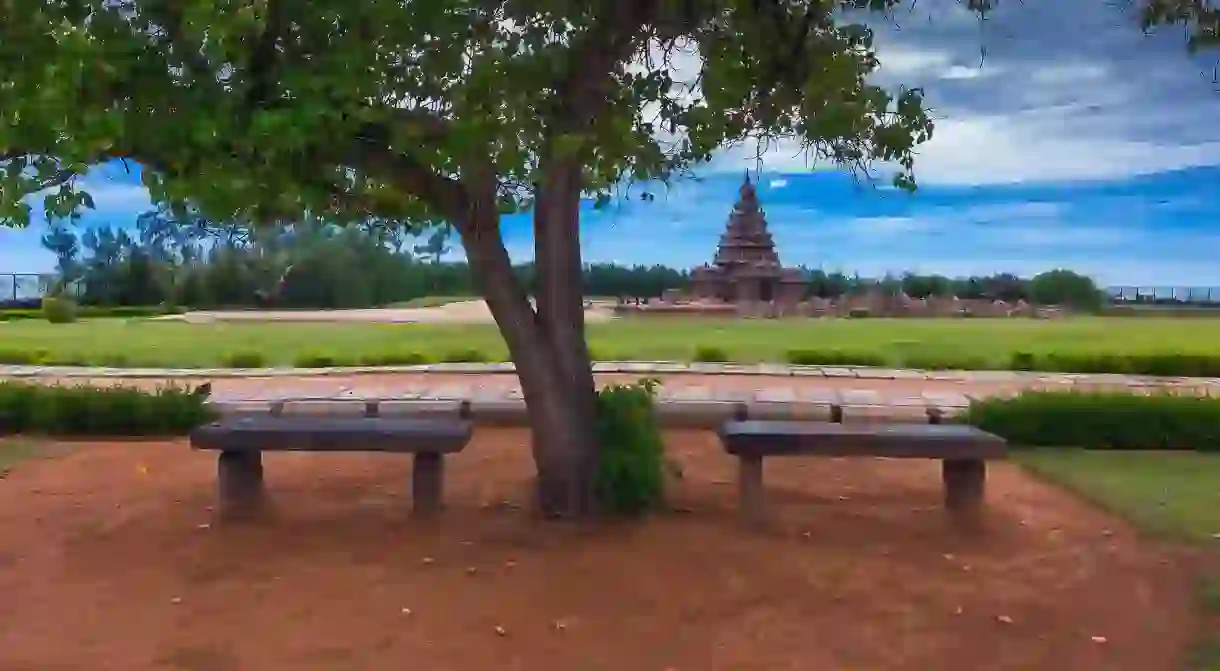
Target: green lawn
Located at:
point(1175, 496)
point(920, 342)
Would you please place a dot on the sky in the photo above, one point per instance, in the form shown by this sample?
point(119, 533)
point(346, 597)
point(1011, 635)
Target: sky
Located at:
point(1076, 142)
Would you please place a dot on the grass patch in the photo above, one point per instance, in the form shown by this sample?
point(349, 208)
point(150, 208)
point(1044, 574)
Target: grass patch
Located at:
point(1172, 495)
point(1088, 342)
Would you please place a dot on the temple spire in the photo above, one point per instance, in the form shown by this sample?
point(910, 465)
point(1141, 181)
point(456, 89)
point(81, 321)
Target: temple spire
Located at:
point(747, 190)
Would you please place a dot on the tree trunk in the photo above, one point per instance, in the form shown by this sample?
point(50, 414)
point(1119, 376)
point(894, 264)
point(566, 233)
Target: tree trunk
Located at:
point(548, 350)
point(561, 318)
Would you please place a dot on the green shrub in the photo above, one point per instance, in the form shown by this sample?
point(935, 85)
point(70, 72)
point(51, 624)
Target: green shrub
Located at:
point(99, 411)
point(811, 357)
point(465, 356)
point(711, 354)
point(1086, 363)
point(121, 311)
point(17, 400)
point(1023, 361)
point(16, 357)
point(631, 466)
point(65, 359)
point(928, 361)
point(859, 313)
point(114, 360)
point(1102, 420)
point(59, 310)
point(317, 360)
point(393, 359)
point(249, 359)
point(1175, 365)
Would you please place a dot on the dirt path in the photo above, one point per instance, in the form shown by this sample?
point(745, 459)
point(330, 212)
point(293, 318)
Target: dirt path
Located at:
point(104, 565)
point(457, 312)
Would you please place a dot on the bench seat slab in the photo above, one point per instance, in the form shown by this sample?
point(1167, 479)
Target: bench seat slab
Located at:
point(333, 434)
point(926, 441)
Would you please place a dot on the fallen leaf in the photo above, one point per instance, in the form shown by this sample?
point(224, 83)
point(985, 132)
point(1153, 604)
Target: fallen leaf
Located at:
point(501, 631)
point(1099, 639)
point(470, 570)
point(176, 600)
point(1004, 619)
point(427, 560)
point(406, 611)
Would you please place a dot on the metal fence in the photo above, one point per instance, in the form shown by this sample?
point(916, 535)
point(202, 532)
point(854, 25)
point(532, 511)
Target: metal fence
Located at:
point(16, 287)
point(1165, 295)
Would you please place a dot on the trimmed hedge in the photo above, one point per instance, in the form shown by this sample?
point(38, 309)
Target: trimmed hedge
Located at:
point(710, 354)
point(812, 357)
point(99, 411)
point(92, 312)
point(1102, 420)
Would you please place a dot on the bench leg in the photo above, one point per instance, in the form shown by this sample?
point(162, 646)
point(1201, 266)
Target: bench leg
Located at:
point(239, 483)
point(427, 480)
point(750, 489)
point(964, 483)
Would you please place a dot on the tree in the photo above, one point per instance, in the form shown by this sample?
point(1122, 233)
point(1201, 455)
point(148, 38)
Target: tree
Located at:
point(452, 111)
point(63, 243)
point(1064, 287)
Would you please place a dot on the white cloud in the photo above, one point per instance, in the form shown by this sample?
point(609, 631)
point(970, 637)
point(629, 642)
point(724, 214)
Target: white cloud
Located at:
point(1034, 147)
point(1066, 93)
point(117, 197)
point(778, 183)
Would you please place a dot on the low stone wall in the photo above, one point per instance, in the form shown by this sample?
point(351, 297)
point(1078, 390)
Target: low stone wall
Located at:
point(707, 413)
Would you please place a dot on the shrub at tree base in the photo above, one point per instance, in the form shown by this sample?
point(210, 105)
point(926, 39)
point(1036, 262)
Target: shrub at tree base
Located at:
point(59, 310)
point(1102, 420)
point(630, 475)
point(99, 411)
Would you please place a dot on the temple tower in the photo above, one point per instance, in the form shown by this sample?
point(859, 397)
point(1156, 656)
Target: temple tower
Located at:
point(746, 267)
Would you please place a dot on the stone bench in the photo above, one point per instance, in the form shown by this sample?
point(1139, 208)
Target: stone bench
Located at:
point(963, 451)
point(241, 441)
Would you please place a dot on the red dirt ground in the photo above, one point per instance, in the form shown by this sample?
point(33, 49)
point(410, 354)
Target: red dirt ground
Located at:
point(104, 565)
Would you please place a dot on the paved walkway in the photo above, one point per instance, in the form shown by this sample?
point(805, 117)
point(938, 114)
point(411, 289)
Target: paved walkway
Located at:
point(766, 389)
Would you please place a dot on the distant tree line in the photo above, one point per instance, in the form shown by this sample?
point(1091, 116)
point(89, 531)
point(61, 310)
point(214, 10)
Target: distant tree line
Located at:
point(190, 261)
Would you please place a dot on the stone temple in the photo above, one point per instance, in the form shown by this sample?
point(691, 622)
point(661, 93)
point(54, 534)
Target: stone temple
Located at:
point(746, 268)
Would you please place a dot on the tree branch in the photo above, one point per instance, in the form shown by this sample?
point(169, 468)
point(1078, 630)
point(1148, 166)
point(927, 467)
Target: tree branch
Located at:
point(608, 42)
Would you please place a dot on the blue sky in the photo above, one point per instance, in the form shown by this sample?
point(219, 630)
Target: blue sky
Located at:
point(1077, 142)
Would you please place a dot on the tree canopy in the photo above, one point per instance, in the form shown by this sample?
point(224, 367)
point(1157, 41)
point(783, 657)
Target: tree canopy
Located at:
point(402, 108)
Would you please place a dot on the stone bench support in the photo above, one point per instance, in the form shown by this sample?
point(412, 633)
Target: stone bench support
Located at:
point(242, 440)
point(963, 451)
